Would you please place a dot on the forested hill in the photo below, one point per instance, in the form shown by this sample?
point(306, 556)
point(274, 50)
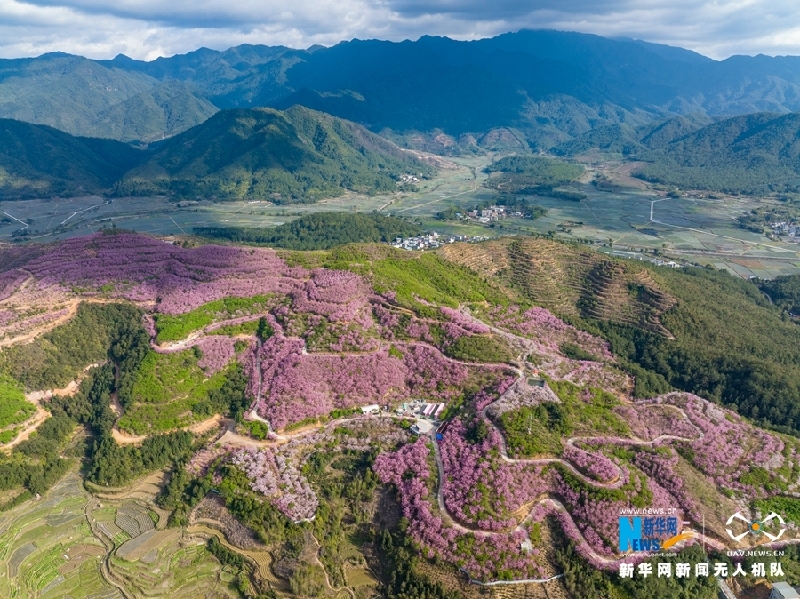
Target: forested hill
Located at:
point(294, 156)
point(742, 153)
point(39, 161)
point(549, 86)
point(320, 231)
point(82, 97)
point(298, 155)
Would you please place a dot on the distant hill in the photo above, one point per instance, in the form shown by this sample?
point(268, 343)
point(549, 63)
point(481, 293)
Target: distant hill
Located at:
point(39, 161)
point(737, 154)
point(547, 87)
point(627, 139)
point(298, 155)
point(85, 98)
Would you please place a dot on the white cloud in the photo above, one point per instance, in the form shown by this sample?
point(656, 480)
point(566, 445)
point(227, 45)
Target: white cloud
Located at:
point(150, 28)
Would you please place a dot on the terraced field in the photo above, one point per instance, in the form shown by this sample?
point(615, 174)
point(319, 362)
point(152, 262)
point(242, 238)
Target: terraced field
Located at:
point(166, 564)
point(47, 549)
point(570, 280)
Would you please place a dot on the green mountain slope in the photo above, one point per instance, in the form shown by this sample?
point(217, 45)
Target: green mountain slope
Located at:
point(701, 331)
point(154, 114)
point(738, 154)
point(628, 139)
point(39, 161)
point(83, 97)
point(294, 156)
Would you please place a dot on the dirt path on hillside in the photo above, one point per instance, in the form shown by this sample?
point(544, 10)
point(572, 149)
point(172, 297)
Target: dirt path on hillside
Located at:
point(46, 327)
point(198, 428)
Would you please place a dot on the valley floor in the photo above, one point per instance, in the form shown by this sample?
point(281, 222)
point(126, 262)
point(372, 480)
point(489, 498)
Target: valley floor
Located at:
point(627, 212)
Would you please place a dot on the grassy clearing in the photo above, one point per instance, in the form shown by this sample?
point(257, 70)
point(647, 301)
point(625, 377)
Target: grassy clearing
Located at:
point(480, 349)
point(788, 507)
point(540, 430)
point(173, 327)
point(170, 391)
point(14, 408)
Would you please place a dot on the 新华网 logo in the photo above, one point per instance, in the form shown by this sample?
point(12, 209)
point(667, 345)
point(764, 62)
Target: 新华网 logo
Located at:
point(646, 533)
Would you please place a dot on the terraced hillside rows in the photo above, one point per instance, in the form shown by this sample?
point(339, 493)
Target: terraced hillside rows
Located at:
point(570, 280)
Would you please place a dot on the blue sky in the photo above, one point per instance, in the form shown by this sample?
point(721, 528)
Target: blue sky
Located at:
point(147, 29)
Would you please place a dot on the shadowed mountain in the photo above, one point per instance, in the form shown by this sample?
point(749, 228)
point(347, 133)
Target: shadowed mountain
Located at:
point(39, 161)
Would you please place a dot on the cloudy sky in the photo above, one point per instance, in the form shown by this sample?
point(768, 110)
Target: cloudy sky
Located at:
point(147, 29)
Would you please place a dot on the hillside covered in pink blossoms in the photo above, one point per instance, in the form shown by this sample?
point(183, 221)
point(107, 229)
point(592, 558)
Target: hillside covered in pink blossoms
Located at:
point(539, 444)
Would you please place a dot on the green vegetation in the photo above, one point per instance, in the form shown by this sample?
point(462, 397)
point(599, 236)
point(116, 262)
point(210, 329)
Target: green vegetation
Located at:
point(761, 218)
point(14, 408)
point(36, 464)
point(170, 391)
point(243, 328)
point(535, 430)
point(174, 327)
point(114, 465)
point(531, 175)
point(730, 346)
point(413, 277)
point(531, 431)
point(39, 161)
point(270, 525)
point(784, 292)
point(695, 329)
point(182, 494)
point(576, 352)
point(544, 171)
point(744, 153)
point(479, 348)
point(346, 484)
point(256, 429)
point(788, 507)
point(294, 156)
point(264, 330)
point(57, 357)
point(398, 561)
point(320, 231)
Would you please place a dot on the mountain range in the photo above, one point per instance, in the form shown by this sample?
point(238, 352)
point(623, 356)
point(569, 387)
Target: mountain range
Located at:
point(545, 87)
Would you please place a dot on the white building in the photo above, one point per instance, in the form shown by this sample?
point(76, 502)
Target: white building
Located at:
point(783, 590)
point(371, 409)
point(421, 427)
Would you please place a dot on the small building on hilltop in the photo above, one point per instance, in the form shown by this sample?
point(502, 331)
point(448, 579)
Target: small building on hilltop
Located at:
point(783, 590)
